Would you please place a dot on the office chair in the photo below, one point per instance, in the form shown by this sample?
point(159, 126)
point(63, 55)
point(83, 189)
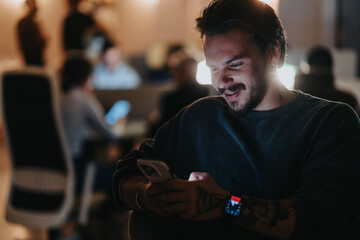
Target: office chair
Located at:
point(42, 180)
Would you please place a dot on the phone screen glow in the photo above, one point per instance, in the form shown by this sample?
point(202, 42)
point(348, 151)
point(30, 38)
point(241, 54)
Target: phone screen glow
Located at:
point(118, 111)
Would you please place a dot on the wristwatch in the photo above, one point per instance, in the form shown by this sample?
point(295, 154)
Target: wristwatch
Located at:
point(233, 206)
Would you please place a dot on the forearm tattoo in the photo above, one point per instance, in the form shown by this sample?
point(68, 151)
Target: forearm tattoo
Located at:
point(206, 201)
point(267, 212)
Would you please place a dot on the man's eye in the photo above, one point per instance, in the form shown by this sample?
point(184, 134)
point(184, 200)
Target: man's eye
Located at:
point(235, 65)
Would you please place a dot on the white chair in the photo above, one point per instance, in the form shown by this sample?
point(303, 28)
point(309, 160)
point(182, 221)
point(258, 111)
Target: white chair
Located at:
point(42, 183)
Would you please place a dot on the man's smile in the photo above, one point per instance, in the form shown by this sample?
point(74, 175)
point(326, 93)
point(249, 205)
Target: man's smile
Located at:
point(232, 95)
point(232, 92)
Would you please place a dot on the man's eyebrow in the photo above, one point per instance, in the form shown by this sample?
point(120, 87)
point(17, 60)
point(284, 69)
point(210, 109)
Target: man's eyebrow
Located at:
point(233, 59)
point(228, 61)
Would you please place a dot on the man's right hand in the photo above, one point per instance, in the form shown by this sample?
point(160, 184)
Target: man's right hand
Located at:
point(148, 198)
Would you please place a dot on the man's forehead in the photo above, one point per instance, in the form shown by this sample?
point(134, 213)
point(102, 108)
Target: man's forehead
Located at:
point(236, 35)
point(235, 40)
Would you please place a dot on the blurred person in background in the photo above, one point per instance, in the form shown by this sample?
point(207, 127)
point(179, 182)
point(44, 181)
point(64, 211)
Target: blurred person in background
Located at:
point(83, 115)
point(320, 80)
point(76, 26)
point(158, 61)
point(112, 72)
point(88, 135)
point(187, 90)
point(31, 39)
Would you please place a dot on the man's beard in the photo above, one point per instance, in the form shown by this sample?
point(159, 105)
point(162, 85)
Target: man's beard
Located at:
point(257, 93)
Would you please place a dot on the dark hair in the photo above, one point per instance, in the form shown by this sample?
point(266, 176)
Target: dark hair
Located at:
point(174, 48)
point(107, 45)
point(258, 18)
point(187, 61)
point(28, 2)
point(74, 2)
point(75, 72)
point(320, 56)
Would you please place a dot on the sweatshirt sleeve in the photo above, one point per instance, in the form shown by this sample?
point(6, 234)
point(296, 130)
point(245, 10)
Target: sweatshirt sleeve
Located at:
point(326, 202)
point(95, 117)
point(160, 148)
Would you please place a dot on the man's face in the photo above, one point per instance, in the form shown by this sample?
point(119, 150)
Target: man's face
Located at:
point(238, 69)
point(112, 56)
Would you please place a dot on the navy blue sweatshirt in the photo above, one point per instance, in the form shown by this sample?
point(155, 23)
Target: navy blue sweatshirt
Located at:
point(306, 151)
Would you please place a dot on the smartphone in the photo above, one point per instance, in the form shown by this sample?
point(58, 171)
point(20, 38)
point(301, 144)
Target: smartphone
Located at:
point(156, 171)
point(118, 111)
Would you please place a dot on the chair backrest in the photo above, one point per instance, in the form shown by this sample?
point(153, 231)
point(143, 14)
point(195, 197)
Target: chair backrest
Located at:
point(42, 174)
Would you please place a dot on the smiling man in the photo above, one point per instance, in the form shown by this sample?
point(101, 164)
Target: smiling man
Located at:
point(244, 75)
point(257, 162)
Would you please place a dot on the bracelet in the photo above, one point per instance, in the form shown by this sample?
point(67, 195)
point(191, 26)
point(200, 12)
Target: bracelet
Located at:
point(137, 200)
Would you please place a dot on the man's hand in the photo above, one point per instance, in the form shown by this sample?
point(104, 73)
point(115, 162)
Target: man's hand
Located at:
point(199, 198)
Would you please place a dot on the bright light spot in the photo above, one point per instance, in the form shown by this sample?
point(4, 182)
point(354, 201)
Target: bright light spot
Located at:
point(148, 2)
point(15, 3)
point(265, 1)
point(287, 75)
point(203, 75)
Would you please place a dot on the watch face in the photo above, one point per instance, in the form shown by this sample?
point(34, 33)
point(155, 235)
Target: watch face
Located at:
point(233, 206)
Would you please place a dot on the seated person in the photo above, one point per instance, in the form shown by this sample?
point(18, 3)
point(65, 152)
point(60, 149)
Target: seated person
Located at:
point(187, 91)
point(87, 133)
point(320, 80)
point(112, 73)
point(83, 116)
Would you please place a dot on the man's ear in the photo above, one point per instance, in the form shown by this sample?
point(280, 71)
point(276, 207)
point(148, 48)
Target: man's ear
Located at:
point(273, 53)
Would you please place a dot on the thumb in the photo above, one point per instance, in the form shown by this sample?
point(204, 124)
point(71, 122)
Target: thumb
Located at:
point(197, 176)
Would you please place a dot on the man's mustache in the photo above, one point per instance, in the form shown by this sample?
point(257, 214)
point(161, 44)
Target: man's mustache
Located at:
point(232, 88)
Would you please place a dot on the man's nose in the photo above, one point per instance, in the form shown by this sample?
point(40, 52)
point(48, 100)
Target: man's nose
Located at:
point(223, 79)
